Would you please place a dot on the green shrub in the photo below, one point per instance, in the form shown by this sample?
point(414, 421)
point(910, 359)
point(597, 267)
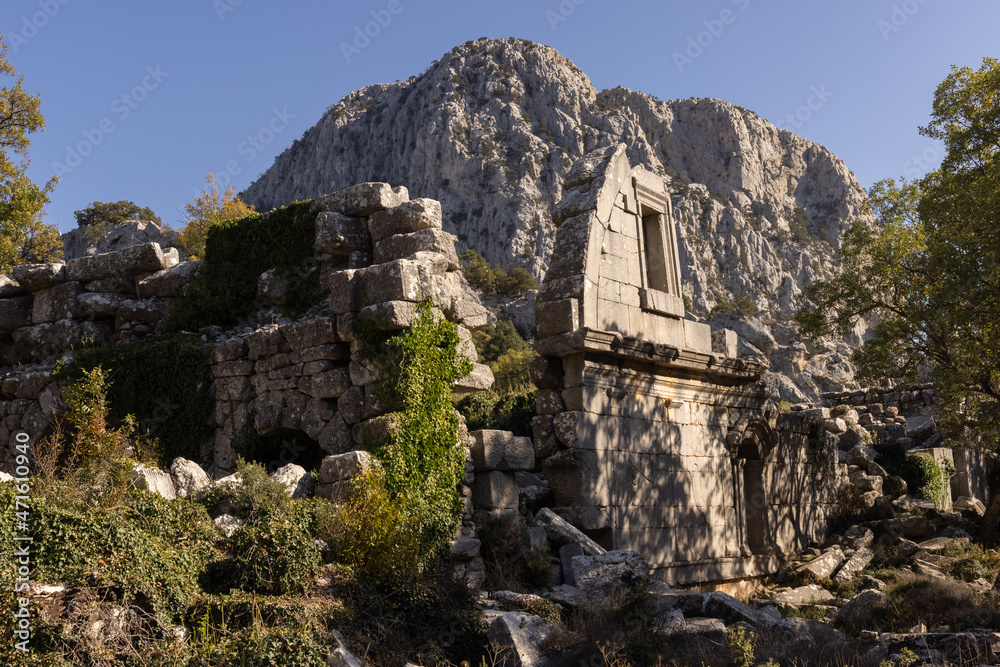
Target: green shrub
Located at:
point(375, 534)
point(510, 411)
point(493, 279)
point(932, 481)
point(745, 306)
point(255, 497)
point(422, 457)
point(236, 253)
point(275, 554)
point(163, 382)
point(721, 307)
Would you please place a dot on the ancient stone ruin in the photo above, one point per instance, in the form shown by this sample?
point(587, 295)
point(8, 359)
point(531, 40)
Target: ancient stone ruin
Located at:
point(652, 434)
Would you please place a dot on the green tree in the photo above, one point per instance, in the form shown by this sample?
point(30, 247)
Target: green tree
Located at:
point(100, 215)
point(23, 235)
point(209, 209)
point(926, 269)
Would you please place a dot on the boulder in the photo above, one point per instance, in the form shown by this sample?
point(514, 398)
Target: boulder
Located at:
point(297, 481)
point(188, 476)
point(480, 379)
point(338, 471)
point(228, 524)
point(860, 606)
point(857, 537)
point(516, 639)
point(804, 595)
point(855, 564)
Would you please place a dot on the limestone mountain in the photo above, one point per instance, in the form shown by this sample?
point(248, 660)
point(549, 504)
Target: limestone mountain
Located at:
point(492, 128)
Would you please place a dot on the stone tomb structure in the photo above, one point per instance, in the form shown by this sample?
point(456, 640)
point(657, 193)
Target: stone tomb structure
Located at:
point(653, 434)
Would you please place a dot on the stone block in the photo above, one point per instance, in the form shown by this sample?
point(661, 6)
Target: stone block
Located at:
point(480, 379)
point(130, 261)
point(573, 240)
point(855, 564)
point(501, 450)
point(309, 333)
point(327, 384)
point(34, 277)
point(620, 569)
point(823, 566)
point(362, 199)
point(697, 336)
point(402, 246)
point(149, 311)
point(339, 234)
point(549, 402)
point(351, 405)
point(266, 342)
point(10, 287)
point(467, 313)
point(15, 313)
point(389, 315)
point(406, 218)
point(557, 317)
point(169, 282)
point(337, 472)
point(345, 291)
point(517, 638)
point(154, 481)
point(495, 491)
point(57, 303)
point(99, 305)
point(229, 350)
point(401, 280)
point(188, 476)
point(545, 372)
point(336, 436)
point(724, 342)
point(544, 436)
point(43, 340)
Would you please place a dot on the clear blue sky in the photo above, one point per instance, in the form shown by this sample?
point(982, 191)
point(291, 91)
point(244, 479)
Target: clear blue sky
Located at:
point(159, 93)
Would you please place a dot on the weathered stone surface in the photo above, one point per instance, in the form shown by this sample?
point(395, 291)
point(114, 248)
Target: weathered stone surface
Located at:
point(854, 565)
point(340, 656)
point(188, 476)
point(362, 199)
point(228, 524)
point(866, 482)
point(501, 450)
point(729, 609)
point(57, 303)
point(338, 471)
point(465, 548)
point(35, 277)
point(99, 305)
point(15, 313)
point(154, 481)
point(516, 639)
point(10, 287)
point(266, 342)
point(561, 532)
point(412, 216)
point(328, 384)
point(402, 246)
point(131, 261)
point(858, 537)
point(544, 436)
point(613, 569)
point(309, 333)
point(480, 379)
point(340, 234)
point(169, 282)
point(43, 340)
point(804, 595)
point(150, 311)
point(274, 289)
point(823, 566)
point(495, 491)
point(390, 315)
point(297, 482)
point(401, 280)
point(836, 425)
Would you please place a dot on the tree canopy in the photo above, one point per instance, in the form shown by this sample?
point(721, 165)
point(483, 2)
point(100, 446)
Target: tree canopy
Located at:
point(23, 234)
point(102, 214)
point(926, 268)
point(208, 209)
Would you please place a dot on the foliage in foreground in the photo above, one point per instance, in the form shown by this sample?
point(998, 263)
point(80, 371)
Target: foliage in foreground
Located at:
point(23, 235)
point(927, 269)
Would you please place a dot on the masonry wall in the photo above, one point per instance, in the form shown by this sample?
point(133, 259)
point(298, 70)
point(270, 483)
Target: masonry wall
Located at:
point(652, 433)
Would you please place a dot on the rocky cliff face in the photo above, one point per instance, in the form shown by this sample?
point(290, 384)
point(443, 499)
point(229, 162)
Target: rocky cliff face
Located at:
point(492, 128)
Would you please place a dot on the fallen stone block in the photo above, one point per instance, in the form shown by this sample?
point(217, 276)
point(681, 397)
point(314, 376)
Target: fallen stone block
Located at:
point(337, 472)
point(516, 639)
point(610, 570)
point(561, 532)
point(154, 481)
point(804, 595)
point(824, 565)
point(854, 565)
point(495, 491)
point(729, 609)
point(297, 482)
point(188, 476)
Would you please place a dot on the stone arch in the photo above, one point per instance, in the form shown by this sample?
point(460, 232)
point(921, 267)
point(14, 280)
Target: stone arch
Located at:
point(750, 444)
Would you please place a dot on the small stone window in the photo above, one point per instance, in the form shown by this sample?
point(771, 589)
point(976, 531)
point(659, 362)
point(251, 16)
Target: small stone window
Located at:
point(661, 289)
